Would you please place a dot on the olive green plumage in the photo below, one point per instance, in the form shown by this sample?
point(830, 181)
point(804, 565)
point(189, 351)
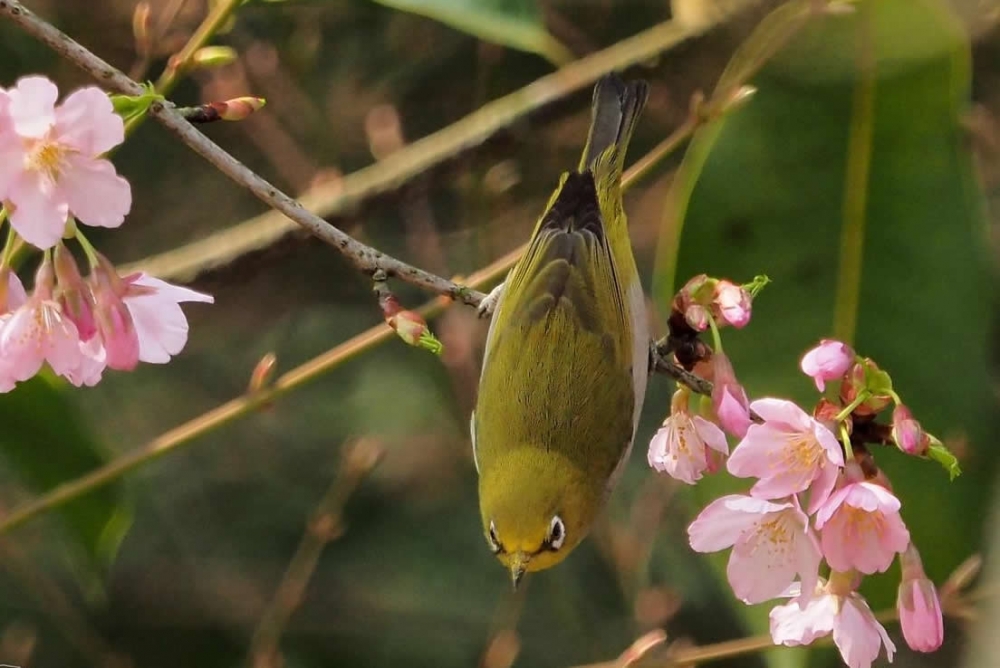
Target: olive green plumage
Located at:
point(565, 367)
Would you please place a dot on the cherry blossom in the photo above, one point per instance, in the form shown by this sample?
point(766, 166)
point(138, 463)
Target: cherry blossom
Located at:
point(860, 528)
point(789, 453)
point(686, 445)
point(49, 164)
point(771, 544)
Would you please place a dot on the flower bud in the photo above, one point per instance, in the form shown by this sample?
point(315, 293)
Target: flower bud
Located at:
point(112, 317)
point(829, 360)
point(213, 56)
point(907, 433)
point(696, 315)
point(731, 304)
point(412, 328)
point(73, 294)
point(238, 108)
point(729, 399)
point(918, 604)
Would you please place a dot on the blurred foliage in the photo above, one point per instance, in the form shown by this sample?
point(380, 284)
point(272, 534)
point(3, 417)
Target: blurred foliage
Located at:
point(411, 581)
point(46, 442)
point(516, 23)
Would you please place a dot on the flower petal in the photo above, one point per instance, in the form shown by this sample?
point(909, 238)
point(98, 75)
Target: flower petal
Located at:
point(86, 121)
point(38, 215)
point(32, 106)
point(722, 522)
point(95, 193)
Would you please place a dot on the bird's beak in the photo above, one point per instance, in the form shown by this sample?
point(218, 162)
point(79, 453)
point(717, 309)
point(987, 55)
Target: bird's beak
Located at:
point(518, 563)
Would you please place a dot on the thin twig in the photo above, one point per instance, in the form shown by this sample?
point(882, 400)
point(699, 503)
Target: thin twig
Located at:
point(362, 256)
point(325, 525)
point(205, 423)
point(179, 63)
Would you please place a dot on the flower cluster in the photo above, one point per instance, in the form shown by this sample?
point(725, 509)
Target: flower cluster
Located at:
point(817, 495)
point(52, 176)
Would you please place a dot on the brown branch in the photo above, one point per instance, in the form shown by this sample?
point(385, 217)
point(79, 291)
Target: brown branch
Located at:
point(341, 201)
point(362, 256)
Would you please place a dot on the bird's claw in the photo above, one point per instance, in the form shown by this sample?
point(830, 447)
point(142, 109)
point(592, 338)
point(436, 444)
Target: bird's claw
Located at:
point(489, 303)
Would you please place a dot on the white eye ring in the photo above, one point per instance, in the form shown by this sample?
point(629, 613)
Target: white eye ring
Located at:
point(557, 533)
point(493, 540)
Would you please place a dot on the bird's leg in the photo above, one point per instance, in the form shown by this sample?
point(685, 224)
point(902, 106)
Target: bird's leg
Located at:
point(489, 303)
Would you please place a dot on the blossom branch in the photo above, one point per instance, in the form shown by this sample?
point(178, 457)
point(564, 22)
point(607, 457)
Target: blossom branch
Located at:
point(258, 396)
point(362, 256)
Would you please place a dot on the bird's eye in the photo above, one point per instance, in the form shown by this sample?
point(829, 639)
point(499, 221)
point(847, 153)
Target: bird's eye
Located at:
point(494, 540)
point(557, 533)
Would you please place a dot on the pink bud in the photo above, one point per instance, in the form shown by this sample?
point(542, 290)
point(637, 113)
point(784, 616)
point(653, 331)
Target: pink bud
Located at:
point(238, 108)
point(112, 316)
point(907, 433)
point(829, 360)
point(731, 304)
point(73, 294)
point(409, 325)
point(919, 606)
point(696, 315)
point(729, 399)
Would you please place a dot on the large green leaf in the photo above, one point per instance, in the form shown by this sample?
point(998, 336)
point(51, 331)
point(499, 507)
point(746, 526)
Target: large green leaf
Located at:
point(514, 23)
point(45, 442)
point(768, 188)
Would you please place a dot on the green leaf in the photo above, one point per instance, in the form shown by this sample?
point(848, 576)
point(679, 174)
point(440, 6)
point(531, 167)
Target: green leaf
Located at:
point(130, 106)
point(765, 189)
point(514, 23)
point(45, 442)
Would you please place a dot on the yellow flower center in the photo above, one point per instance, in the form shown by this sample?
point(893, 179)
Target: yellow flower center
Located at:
point(46, 156)
point(802, 454)
point(860, 523)
point(773, 534)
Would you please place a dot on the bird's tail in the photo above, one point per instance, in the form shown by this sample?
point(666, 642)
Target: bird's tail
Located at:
point(616, 108)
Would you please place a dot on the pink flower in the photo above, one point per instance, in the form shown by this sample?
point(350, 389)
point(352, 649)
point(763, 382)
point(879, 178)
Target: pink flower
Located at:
point(686, 446)
point(918, 604)
point(729, 399)
point(159, 322)
point(830, 360)
point(38, 332)
point(12, 297)
point(49, 165)
point(790, 453)
point(90, 368)
point(907, 433)
point(861, 528)
point(856, 632)
point(73, 294)
point(771, 545)
point(112, 317)
point(731, 304)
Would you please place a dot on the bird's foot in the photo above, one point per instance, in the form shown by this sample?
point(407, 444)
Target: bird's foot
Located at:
point(489, 303)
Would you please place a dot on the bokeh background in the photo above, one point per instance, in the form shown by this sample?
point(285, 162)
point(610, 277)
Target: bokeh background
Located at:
point(179, 561)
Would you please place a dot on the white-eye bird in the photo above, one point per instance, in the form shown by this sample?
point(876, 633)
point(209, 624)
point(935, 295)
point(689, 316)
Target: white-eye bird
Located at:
point(566, 361)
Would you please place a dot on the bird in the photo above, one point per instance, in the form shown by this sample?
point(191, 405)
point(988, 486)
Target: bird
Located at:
point(566, 358)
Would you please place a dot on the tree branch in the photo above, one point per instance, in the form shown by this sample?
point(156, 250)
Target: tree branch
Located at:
point(362, 256)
